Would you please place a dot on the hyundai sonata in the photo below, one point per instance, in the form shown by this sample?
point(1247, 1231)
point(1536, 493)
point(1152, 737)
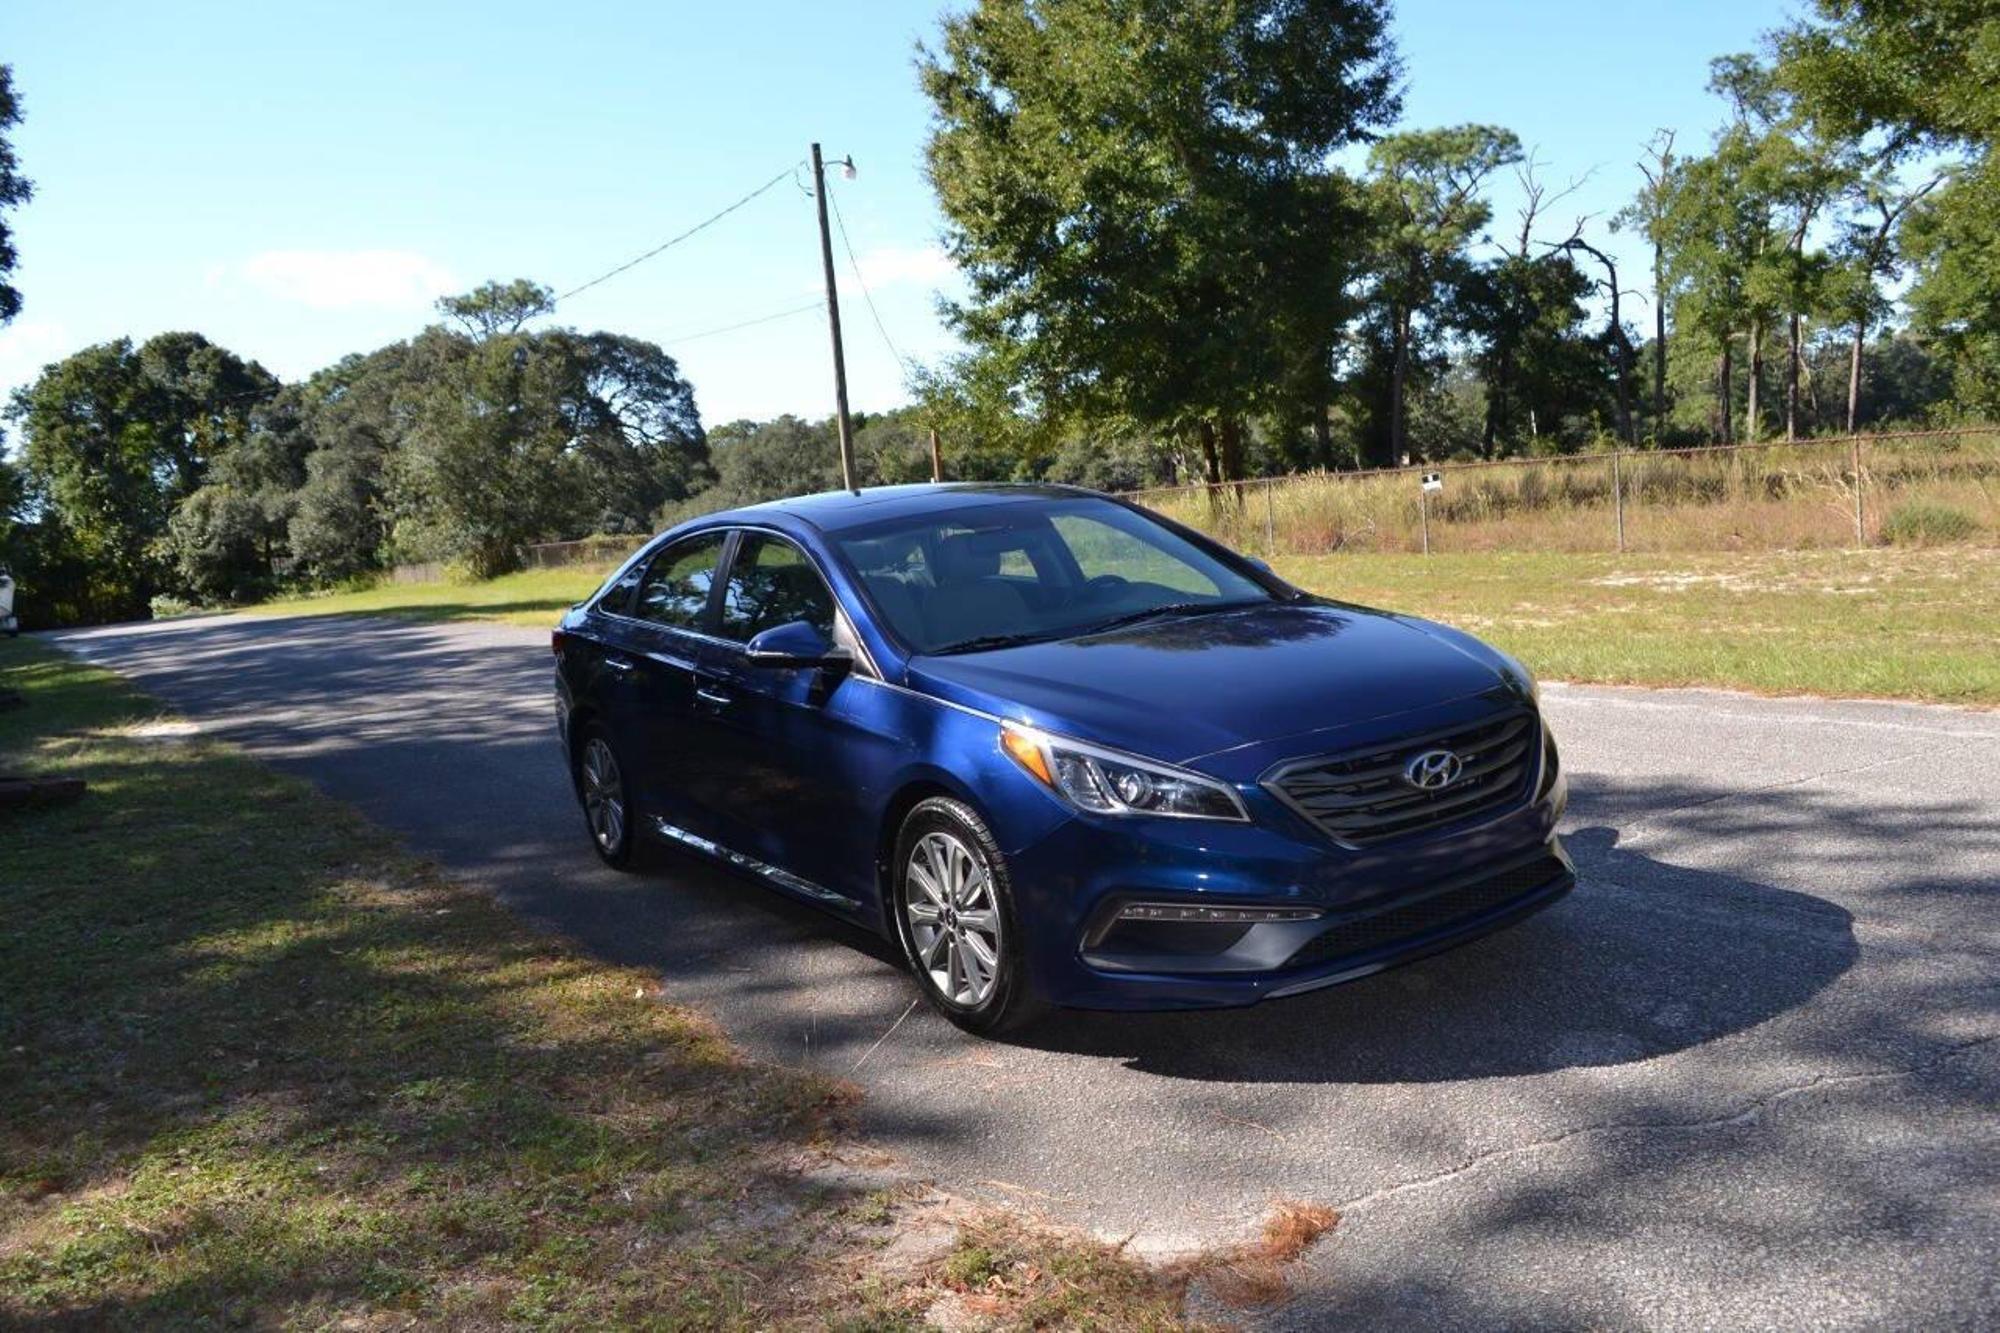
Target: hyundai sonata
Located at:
point(1059, 749)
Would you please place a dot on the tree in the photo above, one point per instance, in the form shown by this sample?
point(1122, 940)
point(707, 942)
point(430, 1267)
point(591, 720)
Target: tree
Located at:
point(1717, 222)
point(228, 537)
point(15, 190)
point(1908, 78)
point(1134, 190)
point(1424, 190)
point(1869, 254)
point(497, 308)
point(350, 421)
point(638, 439)
point(1647, 214)
point(1525, 308)
point(504, 437)
point(116, 437)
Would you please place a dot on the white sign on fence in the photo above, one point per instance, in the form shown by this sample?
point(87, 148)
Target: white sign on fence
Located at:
point(1433, 481)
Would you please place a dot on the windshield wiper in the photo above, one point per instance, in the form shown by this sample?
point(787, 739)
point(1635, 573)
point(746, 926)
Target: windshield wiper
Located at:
point(1162, 611)
point(979, 643)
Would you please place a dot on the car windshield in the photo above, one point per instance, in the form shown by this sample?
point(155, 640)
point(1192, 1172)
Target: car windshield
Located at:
point(999, 574)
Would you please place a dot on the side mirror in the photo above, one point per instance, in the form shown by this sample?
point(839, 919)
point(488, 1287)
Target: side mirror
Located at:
point(798, 646)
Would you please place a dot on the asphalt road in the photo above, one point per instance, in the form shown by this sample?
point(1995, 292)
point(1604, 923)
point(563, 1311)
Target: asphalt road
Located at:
point(1747, 1076)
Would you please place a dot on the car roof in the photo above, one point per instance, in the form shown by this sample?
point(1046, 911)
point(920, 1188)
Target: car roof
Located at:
point(832, 511)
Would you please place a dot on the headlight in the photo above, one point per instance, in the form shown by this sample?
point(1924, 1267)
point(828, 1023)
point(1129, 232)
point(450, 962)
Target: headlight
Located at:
point(1106, 782)
point(1522, 677)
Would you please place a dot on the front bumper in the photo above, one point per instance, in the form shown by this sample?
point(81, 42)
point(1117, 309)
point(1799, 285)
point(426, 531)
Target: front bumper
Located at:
point(1374, 908)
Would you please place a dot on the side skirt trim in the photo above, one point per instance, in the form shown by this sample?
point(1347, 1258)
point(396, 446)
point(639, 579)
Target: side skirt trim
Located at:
point(784, 879)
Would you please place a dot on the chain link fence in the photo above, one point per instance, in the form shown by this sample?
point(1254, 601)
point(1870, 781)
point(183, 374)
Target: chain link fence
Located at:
point(591, 551)
point(1929, 486)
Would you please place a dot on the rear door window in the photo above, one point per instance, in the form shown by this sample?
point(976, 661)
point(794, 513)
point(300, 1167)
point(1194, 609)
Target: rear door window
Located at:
point(678, 583)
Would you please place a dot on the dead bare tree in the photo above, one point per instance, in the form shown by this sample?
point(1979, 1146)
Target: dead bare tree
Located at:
point(1614, 334)
point(1536, 199)
point(1648, 211)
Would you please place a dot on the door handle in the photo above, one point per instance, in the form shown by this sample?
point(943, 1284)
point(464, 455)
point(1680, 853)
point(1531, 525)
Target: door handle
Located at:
point(710, 695)
point(619, 664)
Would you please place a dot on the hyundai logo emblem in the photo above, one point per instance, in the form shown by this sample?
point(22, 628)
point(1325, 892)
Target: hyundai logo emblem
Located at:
point(1433, 770)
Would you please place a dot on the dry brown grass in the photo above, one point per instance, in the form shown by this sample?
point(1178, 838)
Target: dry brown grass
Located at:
point(1253, 1275)
point(1781, 497)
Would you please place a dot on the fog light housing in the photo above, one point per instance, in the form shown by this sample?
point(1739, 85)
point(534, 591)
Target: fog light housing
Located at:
point(1201, 913)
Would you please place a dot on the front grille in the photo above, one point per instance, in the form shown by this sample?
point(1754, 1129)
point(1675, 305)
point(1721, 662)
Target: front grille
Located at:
point(1362, 798)
point(1407, 920)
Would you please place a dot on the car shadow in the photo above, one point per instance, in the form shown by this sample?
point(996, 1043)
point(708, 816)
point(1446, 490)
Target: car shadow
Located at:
point(1644, 959)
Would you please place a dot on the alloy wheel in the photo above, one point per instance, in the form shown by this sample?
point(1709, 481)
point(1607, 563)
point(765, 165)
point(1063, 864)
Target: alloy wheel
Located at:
point(603, 796)
point(954, 918)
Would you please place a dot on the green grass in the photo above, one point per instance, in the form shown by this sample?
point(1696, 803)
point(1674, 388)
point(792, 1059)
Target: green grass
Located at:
point(1907, 624)
point(1895, 623)
point(259, 1067)
point(535, 597)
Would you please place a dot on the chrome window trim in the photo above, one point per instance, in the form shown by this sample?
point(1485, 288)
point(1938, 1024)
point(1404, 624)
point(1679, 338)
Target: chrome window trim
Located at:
point(865, 659)
point(647, 553)
point(839, 608)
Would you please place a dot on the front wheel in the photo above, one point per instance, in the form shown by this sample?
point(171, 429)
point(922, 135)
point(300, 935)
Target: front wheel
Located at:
point(955, 915)
point(607, 802)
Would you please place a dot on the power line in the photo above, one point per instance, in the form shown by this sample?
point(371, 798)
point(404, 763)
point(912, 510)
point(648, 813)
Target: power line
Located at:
point(672, 241)
point(744, 324)
point(862, 283)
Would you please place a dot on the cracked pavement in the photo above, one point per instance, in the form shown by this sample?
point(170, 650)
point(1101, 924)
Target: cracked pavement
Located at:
point(1747, 1076)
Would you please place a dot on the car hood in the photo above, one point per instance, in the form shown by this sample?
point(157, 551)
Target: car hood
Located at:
point(1181, 688)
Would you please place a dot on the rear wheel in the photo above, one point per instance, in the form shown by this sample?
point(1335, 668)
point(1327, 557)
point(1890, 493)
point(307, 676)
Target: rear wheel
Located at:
point(607, 804)
point(955, 914)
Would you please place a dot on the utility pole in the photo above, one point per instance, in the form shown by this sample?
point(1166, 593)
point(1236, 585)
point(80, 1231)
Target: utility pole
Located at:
point(833, 321)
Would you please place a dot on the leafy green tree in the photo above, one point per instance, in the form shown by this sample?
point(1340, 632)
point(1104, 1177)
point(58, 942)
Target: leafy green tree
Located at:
point(229, 537)
point(1647, 214)
point(1717, 224)
point(1424, 191)
point(350, 423)
point(505, 437)
point(1536, 362)
point(756, 461)
point(1138, 190)
point(481, 469)
point(217, 536)
point(115, 437)
point(15, 190)
point(1908, 78)
point(637, 437)
point(494, 309)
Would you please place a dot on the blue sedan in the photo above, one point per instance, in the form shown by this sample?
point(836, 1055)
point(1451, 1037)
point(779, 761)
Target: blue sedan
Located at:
point(1057, 748)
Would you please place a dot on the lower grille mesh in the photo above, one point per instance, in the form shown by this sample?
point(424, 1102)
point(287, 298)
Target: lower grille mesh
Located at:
point(1365, 934)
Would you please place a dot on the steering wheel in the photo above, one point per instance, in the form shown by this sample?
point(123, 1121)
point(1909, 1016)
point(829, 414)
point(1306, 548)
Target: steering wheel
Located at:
point(1104, 583)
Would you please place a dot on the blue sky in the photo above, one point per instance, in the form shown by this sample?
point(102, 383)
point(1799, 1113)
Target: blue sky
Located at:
point(299, 181)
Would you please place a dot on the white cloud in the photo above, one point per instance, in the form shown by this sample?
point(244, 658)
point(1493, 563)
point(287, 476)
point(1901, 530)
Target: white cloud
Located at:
point(344, 279)
point(890, 265)
point(25, 347)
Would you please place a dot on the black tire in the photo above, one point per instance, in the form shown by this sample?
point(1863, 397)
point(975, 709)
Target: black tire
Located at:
point(612, 839)
point(942, 971)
